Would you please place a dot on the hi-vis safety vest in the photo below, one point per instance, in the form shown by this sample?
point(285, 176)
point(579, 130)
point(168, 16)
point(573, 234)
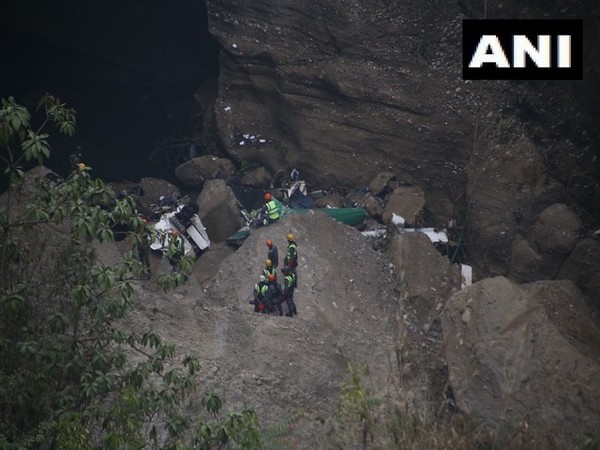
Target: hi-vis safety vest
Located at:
point(269, 271)
point(176, 246)
point(272, 210)
point(290, 280)
point(260, 290)
point(291, 257)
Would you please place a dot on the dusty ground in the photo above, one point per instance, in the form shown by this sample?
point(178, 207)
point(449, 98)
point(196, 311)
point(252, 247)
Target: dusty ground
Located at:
point(347, 313)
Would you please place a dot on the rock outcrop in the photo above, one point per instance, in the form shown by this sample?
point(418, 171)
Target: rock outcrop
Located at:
point(426, 276)
point(196, 171)
point(219, 210)
point(338, 91)
point(524, 355)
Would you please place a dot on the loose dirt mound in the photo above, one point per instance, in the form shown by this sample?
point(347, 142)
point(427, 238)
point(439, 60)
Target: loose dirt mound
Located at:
point(278, 365)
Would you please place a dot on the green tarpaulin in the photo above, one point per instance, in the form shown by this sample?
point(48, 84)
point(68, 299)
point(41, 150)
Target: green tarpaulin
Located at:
point(349, 216)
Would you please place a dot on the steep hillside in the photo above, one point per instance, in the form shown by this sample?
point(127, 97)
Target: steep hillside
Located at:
point(346, 314)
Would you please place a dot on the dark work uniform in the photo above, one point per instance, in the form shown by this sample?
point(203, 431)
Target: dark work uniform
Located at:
point(288, 293)
point(274, 298)
point(273, 256)
point(260, 292)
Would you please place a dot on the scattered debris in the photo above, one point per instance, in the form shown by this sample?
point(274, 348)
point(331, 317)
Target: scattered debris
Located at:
point(466, 275)
point(433, 234)
point(182, 217)
point(375, 233)
point(398, 221)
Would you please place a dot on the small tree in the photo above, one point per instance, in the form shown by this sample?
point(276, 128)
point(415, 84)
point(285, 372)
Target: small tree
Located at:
point(71, 376)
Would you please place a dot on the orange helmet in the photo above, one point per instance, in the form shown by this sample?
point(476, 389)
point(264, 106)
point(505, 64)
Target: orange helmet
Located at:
point(267, 197)
point(268, 262)
point(269, 243)
point(271, 278)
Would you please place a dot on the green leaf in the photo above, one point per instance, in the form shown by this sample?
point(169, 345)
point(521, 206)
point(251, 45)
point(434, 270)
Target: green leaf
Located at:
point(212, 402)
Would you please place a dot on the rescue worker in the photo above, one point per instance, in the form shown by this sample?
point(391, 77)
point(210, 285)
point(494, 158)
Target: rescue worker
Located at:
point(291, 256)
point(269, 269)
point(272, 253)
point(289, 284)
point(260, 292)
point(143, 247)
point(274, 295)
point(271, 210)
point(176, 249)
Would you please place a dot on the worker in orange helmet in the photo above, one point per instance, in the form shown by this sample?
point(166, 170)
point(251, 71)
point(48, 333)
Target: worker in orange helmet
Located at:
point(271, 211)
point(272, 253)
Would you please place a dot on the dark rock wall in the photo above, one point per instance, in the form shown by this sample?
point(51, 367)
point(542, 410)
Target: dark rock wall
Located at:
point(345, 90)
point(341, 90)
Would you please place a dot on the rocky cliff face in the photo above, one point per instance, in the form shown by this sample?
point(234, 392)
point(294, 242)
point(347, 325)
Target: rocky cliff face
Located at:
point(344, 90)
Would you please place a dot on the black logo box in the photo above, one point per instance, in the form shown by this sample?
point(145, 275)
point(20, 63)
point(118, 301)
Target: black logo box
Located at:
point(473, 30)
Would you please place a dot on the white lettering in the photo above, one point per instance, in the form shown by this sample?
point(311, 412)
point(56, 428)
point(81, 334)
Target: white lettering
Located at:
point(564, 51)
point(540, 55)
point(496, 56)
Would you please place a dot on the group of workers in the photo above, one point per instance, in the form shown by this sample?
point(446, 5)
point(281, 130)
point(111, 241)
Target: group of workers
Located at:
point(269, 295)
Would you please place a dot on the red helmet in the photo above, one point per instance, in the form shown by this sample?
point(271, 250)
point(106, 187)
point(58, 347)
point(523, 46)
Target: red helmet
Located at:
point(271, 278)
point(269, 243)
point(267, 197)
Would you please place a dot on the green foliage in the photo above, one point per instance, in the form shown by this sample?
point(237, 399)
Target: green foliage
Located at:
point(247, 165)
point(356, 406)
point(235, 430)
point(71, 376)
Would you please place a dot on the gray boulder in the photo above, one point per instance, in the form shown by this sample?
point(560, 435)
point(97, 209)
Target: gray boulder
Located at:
point(525, 261)
point(583, 267)
point(257, 178)
point(153, 189)
point(373, 206)
point(332, 201)
point(524, 355)
point(380, 182)
point(196, 171)
point(219, 210)
point(405, 201)
point(426, 275)
point(557, 229)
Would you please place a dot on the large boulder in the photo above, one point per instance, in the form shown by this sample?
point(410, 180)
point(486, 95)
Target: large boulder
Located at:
point(405, 201)
point(525, 261)
point(328, 201)
point(219, 210)
point(152, 190)
point(257, 178)
point(196, 171)
point(524, 355)
point(380, 183)
point(582, 266)
point(557, 230)
point(426, 275)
